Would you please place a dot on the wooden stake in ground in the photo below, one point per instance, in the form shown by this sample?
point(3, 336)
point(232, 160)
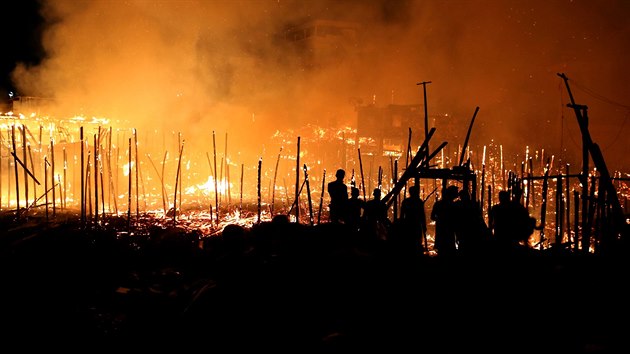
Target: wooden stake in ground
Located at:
point(321, 199)
point(46, 184)
point(82, 177)
point(308, 193)
point(177, 176)
point(24, 158)
point(96, 179)
point(259, 201)
point(240, 207)
point(273, 186)
point(135, 138)
point(129, 186)
point(297, 182)
point(361, 170)
point(216, 183)
point(15, 165)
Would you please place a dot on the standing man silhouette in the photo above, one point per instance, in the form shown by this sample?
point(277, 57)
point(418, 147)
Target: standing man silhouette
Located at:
point(338, 192)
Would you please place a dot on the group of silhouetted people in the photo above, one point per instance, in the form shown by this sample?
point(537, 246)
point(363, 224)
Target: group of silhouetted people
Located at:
point(460, 227)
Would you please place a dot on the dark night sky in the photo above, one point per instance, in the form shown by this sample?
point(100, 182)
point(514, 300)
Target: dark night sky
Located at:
point(21, 31)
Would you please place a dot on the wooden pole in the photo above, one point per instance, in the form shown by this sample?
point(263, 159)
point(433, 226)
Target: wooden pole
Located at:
point(308, 193)
point(177, 177)
point(273, 187)
point(297, 182)
point(321, 199)
point(65, 180)
point(25, 158)
point(161, 183)
point(240, 206)
point(395, 180)
point(46, 184)
point(15, 165)
point(361, 170)
point(259, 200)
point(135, 141)
point(96, 179)
point(82, 177)
point(129, 156)
point(216, 183)
point(568, 205)
point(472, 121)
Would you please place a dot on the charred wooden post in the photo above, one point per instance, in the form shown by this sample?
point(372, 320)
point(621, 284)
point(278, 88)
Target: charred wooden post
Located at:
point(46, 184)
point(308, 193)
point(25, 159)
point(129, 156)
point(394, 181)
point(82, 177)
point(15, 165)
point(465, 146)
point(258, 194)
point(177, 182)
point(273, 186)
point(297, 182)
point(543, 207)
point(135, 143)
point(95, 179)
point(65, 179)
point(618, 224)
point(426, 114)
point(568, 205)
point(559, 213)
point(361, 170)
point(240, 206)
point(321, 199)
point(216, 183)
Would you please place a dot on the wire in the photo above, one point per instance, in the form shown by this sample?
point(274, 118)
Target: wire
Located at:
point(611, 102)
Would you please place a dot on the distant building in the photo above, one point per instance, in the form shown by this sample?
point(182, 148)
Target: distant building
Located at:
point(323, 42)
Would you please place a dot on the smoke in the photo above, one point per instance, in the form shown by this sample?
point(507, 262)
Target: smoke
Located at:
point(195, 67)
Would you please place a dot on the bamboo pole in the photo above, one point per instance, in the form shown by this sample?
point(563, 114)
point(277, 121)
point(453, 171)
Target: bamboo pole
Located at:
point(25, 159)
point(240, 207)
point(46, 184)
point(161, 183)
point(483, 182)
point(30, 157)
point(297, 182)
point(179, 174)
point(321, 199)
point(15, 165)
point(135, 138)
point(96, 179)
point(225, 161)
point(258, 192)
point(65, 179)
point(82, 177)
point(568, 205)
point(88, 186)
point(216, 185)
point(1, 172)
point(308, 193)
point(576, 219)
point(177, 177)
point(273, 187)
point(361, 170)
point(129, 186)
point(395, 181)
point(543, 206)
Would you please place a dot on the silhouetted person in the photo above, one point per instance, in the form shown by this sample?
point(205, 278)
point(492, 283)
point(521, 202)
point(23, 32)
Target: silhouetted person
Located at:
point(444, 215)
point(338, 192)
point(471, 231)
point(355, 209)
point(413, 220)
point(510, 222)
point(375, 222)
